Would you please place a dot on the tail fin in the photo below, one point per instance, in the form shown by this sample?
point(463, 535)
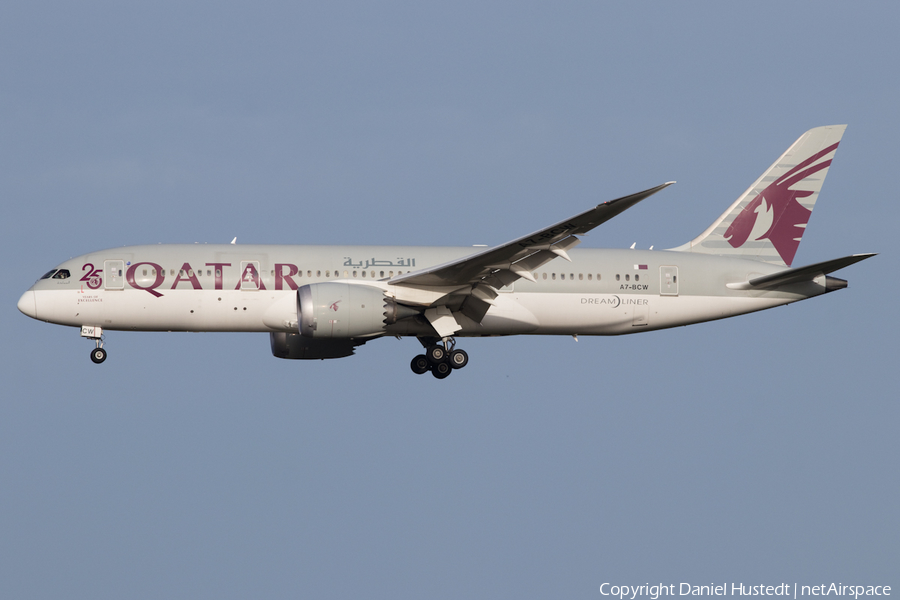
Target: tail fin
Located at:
point(768, 220)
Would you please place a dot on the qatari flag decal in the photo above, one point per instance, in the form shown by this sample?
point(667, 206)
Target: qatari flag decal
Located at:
point(640, 267)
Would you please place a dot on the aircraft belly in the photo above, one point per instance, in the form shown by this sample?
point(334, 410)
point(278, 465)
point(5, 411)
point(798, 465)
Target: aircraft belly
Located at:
point(685, 310)
point(177, 310)
point(194, 310)
point(589, 314)
point(508, 316)
point(617, 314)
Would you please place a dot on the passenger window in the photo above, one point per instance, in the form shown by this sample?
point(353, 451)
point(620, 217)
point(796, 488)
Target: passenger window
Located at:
point(589, 276)
point(545, 276)
point(627, 277)
point(580, 277)
point(617, 277)
point(309, 273)
point(381, 273)
point(145, 272)
point(364, 273)
point(637, 277)
point(598, 276)
point(318, 273)
point(354, 273)
point(553, 276)
point(562, 276)
point(218, 272)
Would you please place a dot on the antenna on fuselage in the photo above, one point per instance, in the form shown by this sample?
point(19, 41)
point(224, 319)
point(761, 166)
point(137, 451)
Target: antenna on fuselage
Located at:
point(234, 241)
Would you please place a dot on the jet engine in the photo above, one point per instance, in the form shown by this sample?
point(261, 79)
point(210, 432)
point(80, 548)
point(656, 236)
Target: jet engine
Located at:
point(332, 310)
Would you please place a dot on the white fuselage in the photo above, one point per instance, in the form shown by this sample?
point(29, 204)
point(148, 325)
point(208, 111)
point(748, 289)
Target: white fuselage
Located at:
point(253, 288)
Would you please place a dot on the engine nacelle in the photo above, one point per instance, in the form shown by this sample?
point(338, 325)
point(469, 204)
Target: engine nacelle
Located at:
point(295, 346)
point(334, 310)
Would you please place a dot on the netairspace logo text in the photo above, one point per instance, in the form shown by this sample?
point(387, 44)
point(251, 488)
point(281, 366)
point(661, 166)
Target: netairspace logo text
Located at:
point(654, 592)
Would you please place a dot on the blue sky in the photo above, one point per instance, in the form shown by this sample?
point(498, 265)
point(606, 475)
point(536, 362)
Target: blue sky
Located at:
point(758, 449)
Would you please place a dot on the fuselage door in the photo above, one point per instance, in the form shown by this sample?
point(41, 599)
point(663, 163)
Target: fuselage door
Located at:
point(114, 274)
point(668, 281)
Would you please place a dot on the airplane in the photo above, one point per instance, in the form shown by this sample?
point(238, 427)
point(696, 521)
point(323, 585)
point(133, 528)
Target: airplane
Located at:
point(320, 302)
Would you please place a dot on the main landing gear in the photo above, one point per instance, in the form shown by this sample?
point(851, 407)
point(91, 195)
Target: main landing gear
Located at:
point(441, 358)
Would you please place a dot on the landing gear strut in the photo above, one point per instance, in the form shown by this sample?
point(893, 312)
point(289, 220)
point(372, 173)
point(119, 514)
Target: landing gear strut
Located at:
point(441, 358)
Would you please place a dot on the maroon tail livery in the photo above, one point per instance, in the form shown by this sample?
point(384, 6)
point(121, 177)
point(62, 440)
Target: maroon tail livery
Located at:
point(788, 216)
point(768, 220)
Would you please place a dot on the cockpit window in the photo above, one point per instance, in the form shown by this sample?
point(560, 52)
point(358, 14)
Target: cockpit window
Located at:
point(62, 274)
point(49, 274)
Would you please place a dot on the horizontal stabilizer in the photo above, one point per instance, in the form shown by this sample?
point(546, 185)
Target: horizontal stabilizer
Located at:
point(800, 274)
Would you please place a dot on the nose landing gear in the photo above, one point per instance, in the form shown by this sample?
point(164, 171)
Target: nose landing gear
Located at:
point(98, 354)
point(441, 358)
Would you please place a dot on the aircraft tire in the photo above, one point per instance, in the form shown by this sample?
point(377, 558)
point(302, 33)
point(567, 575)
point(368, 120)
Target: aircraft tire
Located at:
point(420, 364)
point(441, 370)
point(436, 354)
point(459, 359)
point(98, 355)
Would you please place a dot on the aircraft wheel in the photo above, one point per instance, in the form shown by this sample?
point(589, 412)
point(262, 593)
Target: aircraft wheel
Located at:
point(459, 359)
point(98, 355)
point(420, 364)
point(436, 354)
point(441, 370)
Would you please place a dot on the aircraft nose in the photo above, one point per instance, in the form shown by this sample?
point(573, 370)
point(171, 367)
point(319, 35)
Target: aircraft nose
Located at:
point(27, 304)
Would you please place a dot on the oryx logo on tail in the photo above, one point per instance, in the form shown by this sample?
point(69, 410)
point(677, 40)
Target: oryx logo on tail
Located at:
point(776, 213)
point(767, 221)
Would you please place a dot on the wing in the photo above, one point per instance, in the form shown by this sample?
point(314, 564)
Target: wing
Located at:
point(468, 286)
point(502, 265)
